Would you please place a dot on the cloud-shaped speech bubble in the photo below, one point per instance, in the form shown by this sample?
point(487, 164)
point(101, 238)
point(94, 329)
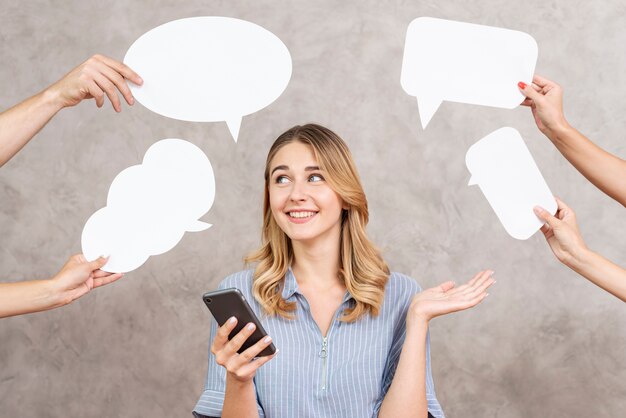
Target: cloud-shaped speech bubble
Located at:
point(209, 69)
point(466, 63)
point(150, 206)
point(508, 176)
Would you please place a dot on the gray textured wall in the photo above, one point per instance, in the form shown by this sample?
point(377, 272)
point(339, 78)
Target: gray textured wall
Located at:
point(546, 343)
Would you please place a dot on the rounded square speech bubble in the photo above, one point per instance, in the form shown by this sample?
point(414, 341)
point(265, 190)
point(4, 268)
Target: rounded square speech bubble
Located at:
point(465, 63)
point(209, 69)
point(150, 206)
point(508, 176)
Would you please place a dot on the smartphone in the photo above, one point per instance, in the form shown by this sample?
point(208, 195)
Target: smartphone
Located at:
point(226, 303)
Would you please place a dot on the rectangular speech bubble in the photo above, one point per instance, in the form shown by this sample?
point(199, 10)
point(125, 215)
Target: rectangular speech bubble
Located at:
point(508, 176)
point(465, 63)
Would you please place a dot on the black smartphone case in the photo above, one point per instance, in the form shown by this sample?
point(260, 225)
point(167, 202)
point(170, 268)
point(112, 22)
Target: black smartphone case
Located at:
point(230, 302)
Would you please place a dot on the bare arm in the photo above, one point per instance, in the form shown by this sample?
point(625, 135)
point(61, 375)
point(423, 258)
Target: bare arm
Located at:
point(563, 236)
point(95, 78)
point(406, 396)
point(605, 170)
point(76, 278)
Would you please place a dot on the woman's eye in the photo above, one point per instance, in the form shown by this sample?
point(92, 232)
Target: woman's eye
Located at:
point(316, 177)
point(282, 179)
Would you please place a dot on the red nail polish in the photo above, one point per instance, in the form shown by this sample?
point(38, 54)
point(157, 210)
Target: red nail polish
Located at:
point(521, 85)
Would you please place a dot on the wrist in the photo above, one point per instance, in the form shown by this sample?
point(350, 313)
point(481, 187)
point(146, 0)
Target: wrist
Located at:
point(52, 98)
point(580, 260)
point(560, 132)
point(237, 384)
point(54, 293)
point(418, 323)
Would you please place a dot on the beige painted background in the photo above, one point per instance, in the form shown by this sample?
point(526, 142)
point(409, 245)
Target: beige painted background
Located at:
point(545, 344)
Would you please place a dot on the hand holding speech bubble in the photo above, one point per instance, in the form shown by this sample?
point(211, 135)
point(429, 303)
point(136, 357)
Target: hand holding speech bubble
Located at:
point(508, 176)
point(465, 63)
point(150, 206)
point(209, 69)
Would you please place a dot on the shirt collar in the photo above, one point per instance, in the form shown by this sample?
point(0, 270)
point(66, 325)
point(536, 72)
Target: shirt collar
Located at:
point(290, 287)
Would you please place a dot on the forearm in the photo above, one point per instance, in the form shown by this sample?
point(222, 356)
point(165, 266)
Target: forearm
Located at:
point(406, 396)
point(20, 124)
point(606, 171)
point(239, 399)
point(28, 297)
point(601, 272)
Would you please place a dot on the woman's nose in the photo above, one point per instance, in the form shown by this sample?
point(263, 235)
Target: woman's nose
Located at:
point(298, 192)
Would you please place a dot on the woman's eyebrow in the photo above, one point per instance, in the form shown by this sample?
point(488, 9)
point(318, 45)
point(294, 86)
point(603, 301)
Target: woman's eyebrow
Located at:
point(279, 167)
point(284, 167)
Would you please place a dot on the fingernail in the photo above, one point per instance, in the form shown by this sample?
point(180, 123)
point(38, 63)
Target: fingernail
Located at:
point(521, 85)
point(537, 210)
point(250, 327)
point(487, 295)
point(132, 101)
point(104, 256)
point(491, 273)
point(232, 320)
point(267, 339)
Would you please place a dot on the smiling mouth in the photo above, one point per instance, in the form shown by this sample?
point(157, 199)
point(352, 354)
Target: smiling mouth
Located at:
point(301, 215)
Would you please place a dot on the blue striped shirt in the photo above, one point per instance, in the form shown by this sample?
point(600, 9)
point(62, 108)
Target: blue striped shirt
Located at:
point(350, 380)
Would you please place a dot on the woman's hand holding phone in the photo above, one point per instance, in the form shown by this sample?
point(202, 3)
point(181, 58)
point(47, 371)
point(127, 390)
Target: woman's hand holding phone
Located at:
point(241, 367)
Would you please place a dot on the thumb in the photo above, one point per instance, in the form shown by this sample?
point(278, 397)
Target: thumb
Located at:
point(444, 287)
point(98, 262)
point(545, 216)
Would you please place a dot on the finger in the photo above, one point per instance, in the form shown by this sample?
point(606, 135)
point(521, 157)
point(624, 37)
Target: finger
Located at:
point(545, 216)
point(98, 263)
point(109, 88)
point(123, 69)
point(101, 281)
point(477, 277)
point(527, 102)
point(480, 288)
point(252, 367)
point(529, 92)
point(446, 286)
point(542, 81)
point(96, 92)
point(246, 356)
point(101, 273)
point(484, 277)
point(221, 338)
point(562, 206)
point(237, 341)
point(119, 82)
point(458, 290)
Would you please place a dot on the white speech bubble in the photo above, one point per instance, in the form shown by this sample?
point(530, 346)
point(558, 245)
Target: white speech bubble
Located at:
point(508, 176)
point(150, 206)
point(466, 63)
point(209, 69)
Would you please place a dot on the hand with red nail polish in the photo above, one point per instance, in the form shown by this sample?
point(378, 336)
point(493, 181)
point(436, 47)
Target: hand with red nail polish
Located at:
point(545, 98)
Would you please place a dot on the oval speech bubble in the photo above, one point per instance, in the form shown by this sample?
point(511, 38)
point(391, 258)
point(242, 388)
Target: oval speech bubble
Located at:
point(151, 206)
point(209, 69)
point(508, 176)
point(466, 63)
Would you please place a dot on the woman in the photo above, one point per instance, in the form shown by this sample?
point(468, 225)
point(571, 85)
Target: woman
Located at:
point(352, 336)
point(605, 170)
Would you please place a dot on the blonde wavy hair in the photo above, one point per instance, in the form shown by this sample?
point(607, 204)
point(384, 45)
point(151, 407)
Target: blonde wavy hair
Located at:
point(362, 267)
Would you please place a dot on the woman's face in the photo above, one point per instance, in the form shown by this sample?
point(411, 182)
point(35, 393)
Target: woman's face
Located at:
point(302, 203)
